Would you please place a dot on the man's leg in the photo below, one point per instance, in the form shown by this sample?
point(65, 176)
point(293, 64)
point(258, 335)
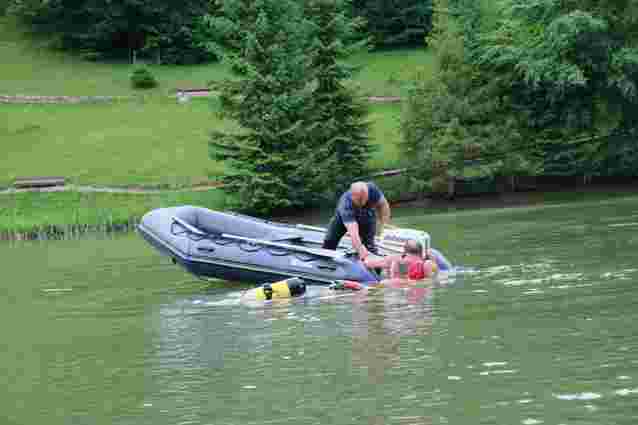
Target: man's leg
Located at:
point(367, 230)
point(335, 232)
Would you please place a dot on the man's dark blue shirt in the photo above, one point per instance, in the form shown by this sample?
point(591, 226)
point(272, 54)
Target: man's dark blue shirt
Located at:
point(348, 212)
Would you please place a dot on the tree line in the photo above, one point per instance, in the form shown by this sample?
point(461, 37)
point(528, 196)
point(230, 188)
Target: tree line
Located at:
point(302, 132)
point(529, 87)
point(176, 32)
point(521, 87)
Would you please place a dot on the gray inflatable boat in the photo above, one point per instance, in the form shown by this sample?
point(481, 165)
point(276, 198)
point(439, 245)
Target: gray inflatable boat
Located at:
point(233, 247)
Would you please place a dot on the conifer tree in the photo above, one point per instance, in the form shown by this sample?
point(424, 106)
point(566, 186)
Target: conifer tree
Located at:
point(302, 132)
point(263, 41)
point(394, 23)
point(338, 128)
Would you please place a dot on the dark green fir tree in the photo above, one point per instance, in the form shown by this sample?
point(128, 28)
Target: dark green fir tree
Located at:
point(263, 41)
point(339, 131)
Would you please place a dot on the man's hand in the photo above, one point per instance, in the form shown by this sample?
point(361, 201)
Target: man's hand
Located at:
point(383, 212)
point(379, 229)
point(384, 225)
point(363, 252)
point(353, 232)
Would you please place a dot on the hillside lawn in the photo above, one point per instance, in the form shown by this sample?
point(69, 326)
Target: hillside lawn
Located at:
point(152, 143)
point(29, 68)
point(149, 140)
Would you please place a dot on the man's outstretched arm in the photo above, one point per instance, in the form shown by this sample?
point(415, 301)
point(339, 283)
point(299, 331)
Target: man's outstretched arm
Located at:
point(353, 232)
point(383, 211)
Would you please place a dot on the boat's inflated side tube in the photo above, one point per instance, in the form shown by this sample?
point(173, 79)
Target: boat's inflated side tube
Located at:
point(435, 266)
point(288, 288)
point(442, 263)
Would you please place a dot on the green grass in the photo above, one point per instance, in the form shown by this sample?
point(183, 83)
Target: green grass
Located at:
point(389, 73)
point(149, 140)
point(385, 134)
point(156, 142)
point(73, 212)
point(29, 68)
point(153, 141)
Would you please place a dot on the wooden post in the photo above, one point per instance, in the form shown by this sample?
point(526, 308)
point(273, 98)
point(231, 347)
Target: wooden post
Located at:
point(451, 187)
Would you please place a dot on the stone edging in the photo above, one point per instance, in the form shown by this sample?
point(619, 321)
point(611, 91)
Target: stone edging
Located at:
point(384, 99)
point(96, 189)
point(23, 99)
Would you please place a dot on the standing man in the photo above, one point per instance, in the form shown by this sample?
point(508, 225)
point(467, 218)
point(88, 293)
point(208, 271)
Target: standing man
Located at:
point(356, 214)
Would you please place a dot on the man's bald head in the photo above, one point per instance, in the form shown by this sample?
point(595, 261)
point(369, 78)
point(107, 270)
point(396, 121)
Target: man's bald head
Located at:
point(359, 192)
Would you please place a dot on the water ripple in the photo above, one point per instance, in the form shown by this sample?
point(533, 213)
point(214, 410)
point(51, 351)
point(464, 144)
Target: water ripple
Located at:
point(626, 391)
point(631, 224)
point(578, 396)
point(492, 364)
point(498, 372)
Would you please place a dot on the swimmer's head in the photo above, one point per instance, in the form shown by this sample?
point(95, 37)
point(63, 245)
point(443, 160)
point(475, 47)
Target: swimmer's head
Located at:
point(413, 247)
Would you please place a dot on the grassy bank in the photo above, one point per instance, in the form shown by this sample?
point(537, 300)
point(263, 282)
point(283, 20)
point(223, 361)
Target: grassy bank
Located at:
point(153, 142)
point(69, 214)
point(149, 140)
point(62, 214)
point(29, 68)
point(143, 142)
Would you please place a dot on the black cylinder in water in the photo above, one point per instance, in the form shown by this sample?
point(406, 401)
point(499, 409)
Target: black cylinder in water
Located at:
point(297, 286)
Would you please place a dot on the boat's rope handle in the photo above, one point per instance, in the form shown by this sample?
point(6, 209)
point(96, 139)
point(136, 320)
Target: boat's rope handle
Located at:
point(317, 252)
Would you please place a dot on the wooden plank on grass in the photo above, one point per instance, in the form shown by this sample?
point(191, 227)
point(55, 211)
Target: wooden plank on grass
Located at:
point(33, 182)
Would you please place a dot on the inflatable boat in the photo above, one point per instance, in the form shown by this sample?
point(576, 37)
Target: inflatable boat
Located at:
point(234, 247)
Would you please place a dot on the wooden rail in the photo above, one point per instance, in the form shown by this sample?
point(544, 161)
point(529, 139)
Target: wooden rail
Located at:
point(35, 182)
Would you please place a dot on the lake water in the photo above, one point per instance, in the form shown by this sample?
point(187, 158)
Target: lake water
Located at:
point(105, 331)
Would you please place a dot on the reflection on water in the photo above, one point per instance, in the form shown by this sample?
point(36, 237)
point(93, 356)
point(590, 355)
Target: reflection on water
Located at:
point(339, 348)
point(537, 329)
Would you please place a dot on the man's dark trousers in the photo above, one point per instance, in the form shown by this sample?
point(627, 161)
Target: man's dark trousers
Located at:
point(367, 221)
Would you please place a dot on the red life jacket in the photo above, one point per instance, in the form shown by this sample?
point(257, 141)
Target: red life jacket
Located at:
point(412, 267)
point(416, 269)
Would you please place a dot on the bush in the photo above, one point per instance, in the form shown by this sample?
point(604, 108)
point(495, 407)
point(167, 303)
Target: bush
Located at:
point(142, 78)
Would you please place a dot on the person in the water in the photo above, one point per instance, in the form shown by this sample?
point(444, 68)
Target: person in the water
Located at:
point(407, 267)
point(404, 269)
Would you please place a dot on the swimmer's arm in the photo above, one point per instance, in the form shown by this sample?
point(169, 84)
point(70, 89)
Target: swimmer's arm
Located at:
point(373, 263)
point(382, 262)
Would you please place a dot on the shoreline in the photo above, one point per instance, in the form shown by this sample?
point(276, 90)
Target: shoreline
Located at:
point(520, 199)
point(43, 215)
point(63, 215)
